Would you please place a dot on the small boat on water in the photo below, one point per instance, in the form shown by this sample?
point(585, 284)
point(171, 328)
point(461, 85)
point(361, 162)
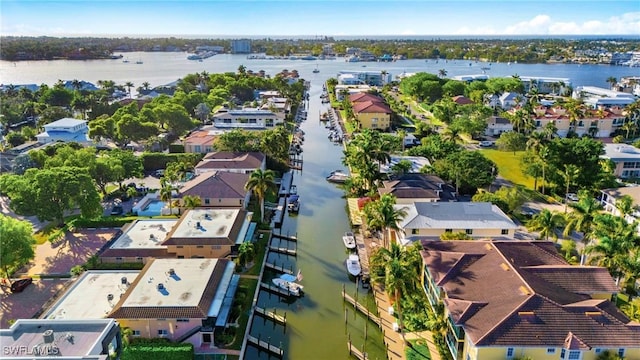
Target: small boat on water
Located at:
point(288, 282)
point(349, 240)
point(337, 177)
point(353, 265)
point(293, 204)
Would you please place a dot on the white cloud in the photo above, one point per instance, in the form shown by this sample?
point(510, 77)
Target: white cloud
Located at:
point(625, 24)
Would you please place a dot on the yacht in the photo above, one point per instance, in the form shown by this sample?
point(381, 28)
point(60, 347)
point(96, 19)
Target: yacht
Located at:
point(353, 265)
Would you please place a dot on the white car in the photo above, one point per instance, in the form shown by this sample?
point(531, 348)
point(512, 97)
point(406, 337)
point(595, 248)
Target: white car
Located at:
point(486, 143)
point(572, 197)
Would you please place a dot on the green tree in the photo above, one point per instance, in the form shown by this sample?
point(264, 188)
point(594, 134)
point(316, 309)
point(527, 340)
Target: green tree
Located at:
point(546, 223)
point(582, 218)
point(570, 173)
point(398, 269)
point(191, 201)
point(383, 214)
point(511, 141)
point(469, 170)
point(260, 183)
point(246, 253)
point(16, 243)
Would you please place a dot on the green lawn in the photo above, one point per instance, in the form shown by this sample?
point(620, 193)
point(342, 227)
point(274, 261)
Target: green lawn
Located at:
point(509, 166)
point(417, 350)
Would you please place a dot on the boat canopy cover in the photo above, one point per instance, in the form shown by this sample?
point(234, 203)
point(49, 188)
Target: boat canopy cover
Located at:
point(287, 277)
point(294, 198)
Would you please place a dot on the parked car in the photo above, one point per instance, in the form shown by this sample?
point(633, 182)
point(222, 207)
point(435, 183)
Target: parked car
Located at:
point(572, 197)
point(486, 143)
point(19, 285)
point(117, 210)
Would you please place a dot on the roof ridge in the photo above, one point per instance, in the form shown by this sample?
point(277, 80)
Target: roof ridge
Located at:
point(515, 310)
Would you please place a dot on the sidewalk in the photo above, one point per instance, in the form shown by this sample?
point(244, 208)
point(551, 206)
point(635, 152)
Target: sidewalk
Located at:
point(392, 339)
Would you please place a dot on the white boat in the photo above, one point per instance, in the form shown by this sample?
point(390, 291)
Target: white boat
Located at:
point(353, 265)
point(288, 282)
point(337, 177)
point(316, 70)
point(349, 240)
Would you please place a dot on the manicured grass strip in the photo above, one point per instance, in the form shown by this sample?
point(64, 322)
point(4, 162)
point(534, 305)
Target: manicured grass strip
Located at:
point(417, 350)
point(509, 166)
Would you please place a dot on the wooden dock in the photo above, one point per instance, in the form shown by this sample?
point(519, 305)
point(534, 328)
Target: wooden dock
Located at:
point(363, 255)
point(271, 315)
point(292, 238)
point(275, 289)
point(295, 163)
point(353, 351)
point(363, 309)
point(278, 268)
point(282, 250)
point(261, 344)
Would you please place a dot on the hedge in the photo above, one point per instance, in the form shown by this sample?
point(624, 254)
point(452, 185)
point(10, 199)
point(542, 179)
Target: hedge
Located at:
point(158, 351)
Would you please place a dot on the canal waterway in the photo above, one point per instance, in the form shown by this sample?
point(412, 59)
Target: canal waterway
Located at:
point(316, 327)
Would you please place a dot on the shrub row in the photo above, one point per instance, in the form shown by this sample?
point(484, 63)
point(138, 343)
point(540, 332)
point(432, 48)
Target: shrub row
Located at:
point(157, 161)
point(158, 351)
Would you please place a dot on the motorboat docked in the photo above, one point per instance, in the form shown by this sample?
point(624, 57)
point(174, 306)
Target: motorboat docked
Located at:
point(349, 240)
point(293, 204)
point(293, 190)
point(337, 177)
point(288, 282)
point(353, 265)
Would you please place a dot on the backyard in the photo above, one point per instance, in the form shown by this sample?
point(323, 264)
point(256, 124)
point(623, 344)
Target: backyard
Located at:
point(509, 166)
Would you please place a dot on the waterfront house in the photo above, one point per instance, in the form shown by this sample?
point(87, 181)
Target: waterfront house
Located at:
point(88, 339)
point(373, 78)
point(429, 220)
point(596, 97)
point(545, 85)
point(626, 159)
point(521, 299)
point(65, 130)
point(247, 118)
point(217, 189)
point(208, 233)
point(609, 198)
point(370, 111)
point(417, 187)
point(238, 162)
point(182, 300)
point(342, 90)
point(509, 100)
point(418, 163)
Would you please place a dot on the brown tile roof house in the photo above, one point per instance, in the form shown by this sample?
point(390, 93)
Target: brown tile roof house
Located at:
point(461, 100)
point(418, 186)
point(217, 185)
point(523, 294)
point(200, 141)
point(157, 294)
point(231, 161)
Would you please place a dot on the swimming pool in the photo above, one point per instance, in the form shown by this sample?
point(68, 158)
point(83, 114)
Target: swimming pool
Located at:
point(153, 208)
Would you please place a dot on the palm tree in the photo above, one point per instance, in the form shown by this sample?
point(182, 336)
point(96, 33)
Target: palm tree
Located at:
point(191, 201)
point(536, 142)
point(571, 172)
point(246, 253)
point(128, 85)
point(624, 204)
point(543, 155)
point(398, 269)
point(260, 182)
point(166, 192)
point(612, 81)
point(442, 73)
point(616, 237)
point(582, 219)
point(382, 214)
point(546, 223)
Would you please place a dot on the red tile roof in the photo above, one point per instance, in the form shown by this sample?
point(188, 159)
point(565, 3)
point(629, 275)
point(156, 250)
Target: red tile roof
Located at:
point(461, 100)
point(522, 293)
point(363, 96)
point(200, 138)
point(371, 107)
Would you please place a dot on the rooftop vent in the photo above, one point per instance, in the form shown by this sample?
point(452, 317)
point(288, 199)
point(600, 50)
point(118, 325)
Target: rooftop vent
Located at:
point(198, 225)
point(48, 336)
point(124, 281)
point(504, 267)
point(172, 272)
point(593, 313)
point(160, 286)
point(524, 290)
point(151, 237)
point(109, 297)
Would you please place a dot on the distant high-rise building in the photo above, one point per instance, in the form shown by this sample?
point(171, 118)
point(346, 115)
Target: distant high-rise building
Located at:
point(241, 46)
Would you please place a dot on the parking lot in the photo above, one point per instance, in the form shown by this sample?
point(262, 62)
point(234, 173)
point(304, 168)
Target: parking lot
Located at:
point(26, 304)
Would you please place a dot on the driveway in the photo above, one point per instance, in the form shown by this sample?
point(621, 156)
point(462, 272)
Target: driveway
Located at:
point(75, 249)
point(26, 304)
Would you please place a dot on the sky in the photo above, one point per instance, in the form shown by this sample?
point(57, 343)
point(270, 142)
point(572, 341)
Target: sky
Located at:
point(208, 18)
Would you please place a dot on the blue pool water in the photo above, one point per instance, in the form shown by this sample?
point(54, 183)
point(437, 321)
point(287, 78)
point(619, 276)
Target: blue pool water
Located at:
point(153, 208)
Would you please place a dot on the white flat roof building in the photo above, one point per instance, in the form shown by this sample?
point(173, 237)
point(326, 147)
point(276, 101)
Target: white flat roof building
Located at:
point(144, 234)
point(596, 96)
point(93, 295)
point(206, 223)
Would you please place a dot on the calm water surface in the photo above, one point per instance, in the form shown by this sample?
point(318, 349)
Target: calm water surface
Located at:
point(316, 322)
